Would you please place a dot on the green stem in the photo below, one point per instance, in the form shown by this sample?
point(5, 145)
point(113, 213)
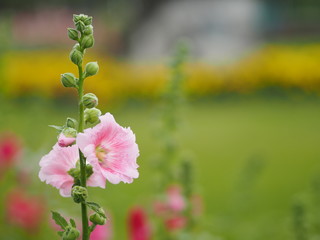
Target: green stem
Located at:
point(83, 180)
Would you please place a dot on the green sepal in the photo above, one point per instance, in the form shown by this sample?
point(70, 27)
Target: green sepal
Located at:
point(59, 128)
point(59, 220)
point(89, 170)
point(75, 172)
point(80, 26)
point(60, 233)
point(95, 207)
point(87, 21)
point(92, 227)
point(73, 34)
point(72, 123)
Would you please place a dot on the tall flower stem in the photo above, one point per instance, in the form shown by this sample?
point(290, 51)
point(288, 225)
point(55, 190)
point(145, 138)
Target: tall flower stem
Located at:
point(83, 180)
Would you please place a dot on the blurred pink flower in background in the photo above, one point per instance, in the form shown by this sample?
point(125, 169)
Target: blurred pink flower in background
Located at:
point(10, 150)
point(175, 223)
point(139, 227)
point(172, 207)
point(173, 202)
point(102, 232)
point(55, 166)
point(111, 150)
point(176, 201)
point(24, 211)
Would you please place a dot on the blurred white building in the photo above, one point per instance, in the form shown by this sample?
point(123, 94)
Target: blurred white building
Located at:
point(217, 31)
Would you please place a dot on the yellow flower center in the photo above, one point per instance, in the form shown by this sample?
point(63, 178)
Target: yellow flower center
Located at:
point(101, 153)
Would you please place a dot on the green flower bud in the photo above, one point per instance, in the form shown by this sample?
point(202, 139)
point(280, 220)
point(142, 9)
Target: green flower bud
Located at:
point(88, 30)
point(91, 69)
point(80, 26)
point(69, 132)
point(76, 56)
point(68, 80)
point(73, 34)
point(87, 21)
point(76, 18)
point(79, 194)
point(87, 41)
point(72, 123)
point(98, 219)
point(90, 100)
point(91, 115)
point(77, 47)
point(79, 17)
point(70, 233)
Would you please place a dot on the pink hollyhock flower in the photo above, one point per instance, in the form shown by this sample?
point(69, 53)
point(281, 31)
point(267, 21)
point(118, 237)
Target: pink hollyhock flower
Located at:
point(10, 149)
point(111, 150)
point(24, 211)
point(176, 201)
point(176, 223)
point(65, 141)
point(55, 166)
point(139, 228)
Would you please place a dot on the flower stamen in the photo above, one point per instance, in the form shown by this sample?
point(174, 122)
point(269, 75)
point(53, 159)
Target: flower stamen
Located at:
point(101, 154)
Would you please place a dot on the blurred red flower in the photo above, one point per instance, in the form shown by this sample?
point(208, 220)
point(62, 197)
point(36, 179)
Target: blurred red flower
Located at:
point(139, 228)
point(176, 223)
point(24, 211)
point(10, 149)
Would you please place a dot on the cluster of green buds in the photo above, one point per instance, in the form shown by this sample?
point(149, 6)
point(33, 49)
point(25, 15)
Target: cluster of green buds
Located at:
point(83, 35)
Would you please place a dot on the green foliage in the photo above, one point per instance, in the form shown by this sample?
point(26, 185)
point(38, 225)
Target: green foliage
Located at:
point(59, 220)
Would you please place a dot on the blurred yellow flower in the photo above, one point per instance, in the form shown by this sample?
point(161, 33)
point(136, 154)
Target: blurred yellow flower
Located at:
point(285, 66)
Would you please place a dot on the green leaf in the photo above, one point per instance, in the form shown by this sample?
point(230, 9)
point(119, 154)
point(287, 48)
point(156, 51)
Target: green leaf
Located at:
point(89, 170)
point(59, 220)
point(73, 223)
point(60, 233)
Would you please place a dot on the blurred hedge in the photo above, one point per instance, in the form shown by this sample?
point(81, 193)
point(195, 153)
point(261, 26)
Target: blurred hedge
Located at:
point(38, 72)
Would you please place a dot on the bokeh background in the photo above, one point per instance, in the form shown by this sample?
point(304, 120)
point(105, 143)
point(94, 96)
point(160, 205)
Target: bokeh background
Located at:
point(249, 118)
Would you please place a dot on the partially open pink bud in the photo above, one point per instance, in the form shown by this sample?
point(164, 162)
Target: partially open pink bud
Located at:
point(64, 141)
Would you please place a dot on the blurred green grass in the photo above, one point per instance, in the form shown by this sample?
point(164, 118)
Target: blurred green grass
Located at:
point(222, 136)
